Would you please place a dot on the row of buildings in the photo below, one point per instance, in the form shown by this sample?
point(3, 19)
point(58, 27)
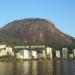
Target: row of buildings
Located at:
point(46, 53)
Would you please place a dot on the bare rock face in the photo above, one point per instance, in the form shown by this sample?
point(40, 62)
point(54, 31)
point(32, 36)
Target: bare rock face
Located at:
point(34, 30)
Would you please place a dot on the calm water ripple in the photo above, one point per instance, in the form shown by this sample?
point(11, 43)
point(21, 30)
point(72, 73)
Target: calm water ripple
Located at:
point(43, 67)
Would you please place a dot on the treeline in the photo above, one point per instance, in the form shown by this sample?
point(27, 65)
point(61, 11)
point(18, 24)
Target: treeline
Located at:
point(55, 46)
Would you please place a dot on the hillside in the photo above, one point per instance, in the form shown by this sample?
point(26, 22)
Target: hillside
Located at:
point(34, 30)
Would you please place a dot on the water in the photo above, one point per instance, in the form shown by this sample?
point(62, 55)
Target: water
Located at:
point(54, 67)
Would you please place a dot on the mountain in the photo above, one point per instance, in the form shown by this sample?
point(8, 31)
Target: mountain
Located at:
point(34, 30)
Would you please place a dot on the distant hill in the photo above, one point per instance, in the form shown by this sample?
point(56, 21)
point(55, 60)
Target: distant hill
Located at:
point(34, 30)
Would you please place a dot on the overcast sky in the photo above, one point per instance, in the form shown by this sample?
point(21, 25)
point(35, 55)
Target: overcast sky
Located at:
point(60, 12)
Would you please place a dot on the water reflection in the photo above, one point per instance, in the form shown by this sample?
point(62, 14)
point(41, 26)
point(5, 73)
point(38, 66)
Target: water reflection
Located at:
point(65, 67)
point(26, 67)
point(6, 68)
point(72, 67)
point(49, 68)
point(18, 68)
point(56, 67)
point(45, 67)
point(33, 68)
point(40, 67)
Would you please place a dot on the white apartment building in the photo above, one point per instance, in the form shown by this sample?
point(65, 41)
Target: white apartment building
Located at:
point(2, 46)
point(58, 54)
point(64, 53)
point(24, 54)
point(74, 53)
point(44, 54)
point(70, 55)
point(9, 50)
point(34, 54)
point(4, 50)
point(49, 52)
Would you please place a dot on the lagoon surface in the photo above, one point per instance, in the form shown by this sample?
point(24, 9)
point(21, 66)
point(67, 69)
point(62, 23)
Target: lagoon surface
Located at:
point(41, 67)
